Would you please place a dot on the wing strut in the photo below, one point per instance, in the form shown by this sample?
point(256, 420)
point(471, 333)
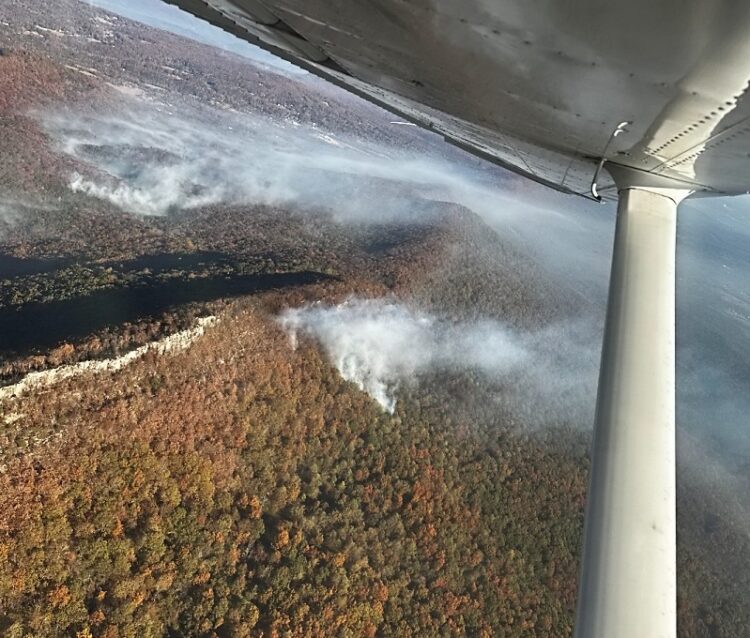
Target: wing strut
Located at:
point(628, 587)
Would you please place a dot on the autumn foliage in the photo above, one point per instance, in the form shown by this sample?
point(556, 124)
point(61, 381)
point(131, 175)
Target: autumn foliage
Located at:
point(242, 489)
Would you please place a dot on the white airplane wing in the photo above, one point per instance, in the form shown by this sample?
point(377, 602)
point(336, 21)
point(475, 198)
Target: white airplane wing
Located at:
point(538, 87)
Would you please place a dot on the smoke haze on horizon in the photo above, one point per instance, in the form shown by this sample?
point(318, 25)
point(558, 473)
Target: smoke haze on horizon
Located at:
point(153, 159)
point(160, 15)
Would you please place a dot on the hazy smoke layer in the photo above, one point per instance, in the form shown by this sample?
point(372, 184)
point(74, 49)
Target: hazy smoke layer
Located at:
point(9, 212)
point(14, 209)
point(152, 159)
point(380, 344)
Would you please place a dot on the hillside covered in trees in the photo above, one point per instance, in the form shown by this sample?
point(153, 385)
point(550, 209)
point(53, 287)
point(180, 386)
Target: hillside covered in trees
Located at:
point(243, 483)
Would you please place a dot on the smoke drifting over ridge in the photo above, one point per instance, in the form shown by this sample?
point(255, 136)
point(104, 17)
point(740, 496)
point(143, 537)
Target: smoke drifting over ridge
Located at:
point(382, 345)
point(152, 158)
point(157, 159)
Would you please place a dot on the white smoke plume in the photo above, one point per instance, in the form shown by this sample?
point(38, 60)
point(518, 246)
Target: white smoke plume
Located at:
point(9, 211)
point(381, 344)
point(152, 159)
point(13, 209)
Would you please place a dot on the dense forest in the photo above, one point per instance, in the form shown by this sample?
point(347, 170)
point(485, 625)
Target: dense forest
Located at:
point(241, 489)
point(239, 486)
point(244, 489)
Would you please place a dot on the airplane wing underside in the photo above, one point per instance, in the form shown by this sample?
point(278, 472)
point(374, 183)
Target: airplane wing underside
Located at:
point(541, 87)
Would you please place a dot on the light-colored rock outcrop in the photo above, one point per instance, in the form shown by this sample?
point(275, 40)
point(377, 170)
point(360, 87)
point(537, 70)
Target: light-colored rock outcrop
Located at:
point(174, 343)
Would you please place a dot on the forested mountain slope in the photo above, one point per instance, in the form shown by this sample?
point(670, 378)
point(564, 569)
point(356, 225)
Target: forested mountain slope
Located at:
point(240, 486)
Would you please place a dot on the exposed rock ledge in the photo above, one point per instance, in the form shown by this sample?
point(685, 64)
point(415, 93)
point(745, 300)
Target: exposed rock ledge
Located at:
point(174, 343)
